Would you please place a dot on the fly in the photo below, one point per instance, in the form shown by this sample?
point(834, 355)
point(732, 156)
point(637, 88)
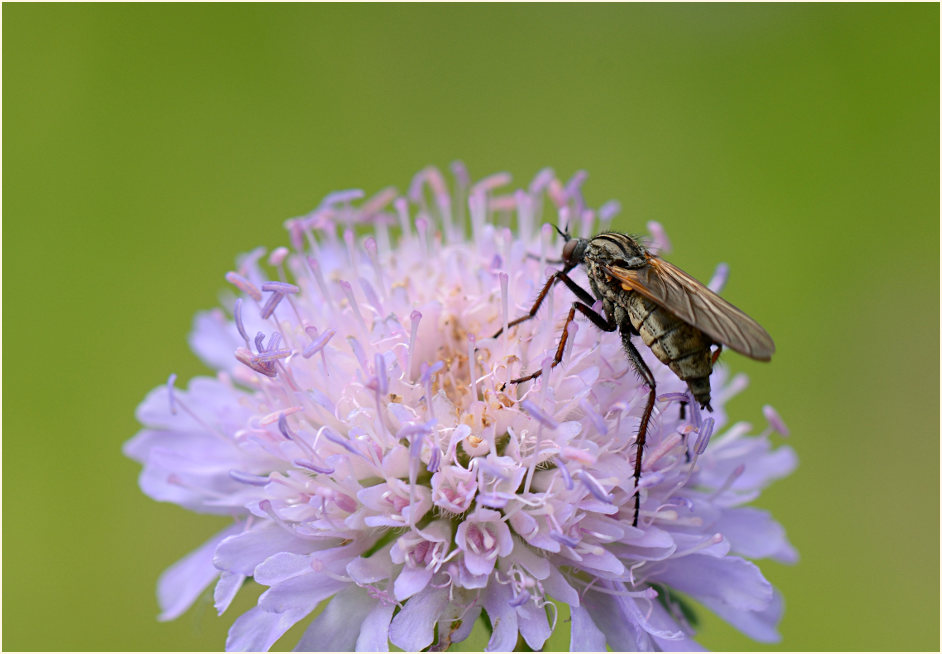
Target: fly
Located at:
point(676, 316)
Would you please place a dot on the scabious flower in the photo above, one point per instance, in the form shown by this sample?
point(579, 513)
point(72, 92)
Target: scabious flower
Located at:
point(361, 432)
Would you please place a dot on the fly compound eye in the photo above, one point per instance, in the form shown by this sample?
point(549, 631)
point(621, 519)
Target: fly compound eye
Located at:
point(568, 249)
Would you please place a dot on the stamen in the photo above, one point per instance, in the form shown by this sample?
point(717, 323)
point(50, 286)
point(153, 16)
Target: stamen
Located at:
point(421, 226)
point(734, 475)
point(342, 197)
point(537, 414)
point(435, 459)
point(416, 318)
point(244, 285)
point(596, 419)
point(379, 363)
point(608, 211)
point(359, 353)
point(593, 486)
point(171, 380)
point(372, 253)
point(564, 471)
point(237, 315)
point(490, 183)
point(277, 257)
point(775, 420)
point(478, 208)
point(504, 300)
point(471, 360)
point(272, 355)
point(540, 181)
point(314, 467)
point(695, 414)
point(281, 287)
point(339, 440)
point(588, 222)
point(350, 239)
point(270, 305)
point(562, 538)
point(247, 478)
point(378, 202)
point(246, 357)
point(347, 289)
point(318, 275)
point(318, 345)
point(659, 241)
point(704, 438)
point(720, 275)
point(371, 298)
point(295, 233)
point(284, 429)
point(402, 210)
point(673, 397)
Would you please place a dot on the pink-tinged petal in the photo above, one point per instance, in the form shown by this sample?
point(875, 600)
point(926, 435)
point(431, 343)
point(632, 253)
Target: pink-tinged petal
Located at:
point(413, 628)
point(184, 581)
point(558, 588)
point(283, 566)
point(732, 581)
point(535, 565)
point(337, 627)
point(372, 570)
point(243, 552)
point(503, 618)
point(374, 632)
point(301, 592)
point(758, 625)
point(584, 635)
point(410, 581)
point(753, 533)
point(226, 589)
point(533, 625)
point(621, 633)
point(257, 630)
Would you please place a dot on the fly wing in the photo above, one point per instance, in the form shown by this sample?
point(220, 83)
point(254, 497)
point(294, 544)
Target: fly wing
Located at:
point(694, 303)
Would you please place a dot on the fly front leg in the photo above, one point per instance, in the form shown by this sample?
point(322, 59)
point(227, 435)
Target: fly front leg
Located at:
point(635, 357)
point(602, 322)
point(561, 275)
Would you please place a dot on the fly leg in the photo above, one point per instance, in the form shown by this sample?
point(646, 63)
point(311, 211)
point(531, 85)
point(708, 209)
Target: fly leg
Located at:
point(583, 295)
point(648, 378)
point(603, 323)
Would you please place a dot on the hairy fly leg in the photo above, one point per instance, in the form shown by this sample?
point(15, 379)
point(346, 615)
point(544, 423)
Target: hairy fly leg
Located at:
point(641, 367)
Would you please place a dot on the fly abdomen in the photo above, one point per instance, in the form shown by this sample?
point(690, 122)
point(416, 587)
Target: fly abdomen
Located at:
point(682, 347)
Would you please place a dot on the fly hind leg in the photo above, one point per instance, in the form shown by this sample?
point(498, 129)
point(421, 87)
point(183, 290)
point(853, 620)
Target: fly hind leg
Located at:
point(635, 357)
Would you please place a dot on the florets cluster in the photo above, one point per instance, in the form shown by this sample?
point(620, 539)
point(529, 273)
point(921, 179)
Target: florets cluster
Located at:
point(362, 432)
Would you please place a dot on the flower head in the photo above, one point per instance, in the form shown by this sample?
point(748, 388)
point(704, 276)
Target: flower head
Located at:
point(362, 432)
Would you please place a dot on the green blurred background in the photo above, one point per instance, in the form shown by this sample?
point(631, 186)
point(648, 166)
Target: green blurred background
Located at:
point(146, 145)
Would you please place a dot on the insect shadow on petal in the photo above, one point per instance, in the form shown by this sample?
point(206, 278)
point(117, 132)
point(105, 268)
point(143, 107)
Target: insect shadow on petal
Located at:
point(676, 316)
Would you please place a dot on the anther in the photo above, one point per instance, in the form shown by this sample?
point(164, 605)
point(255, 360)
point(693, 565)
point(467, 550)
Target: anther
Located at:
point(775, 420)
point(244, 285)
point(538, 414)
point(247, 478)
point(706, 430)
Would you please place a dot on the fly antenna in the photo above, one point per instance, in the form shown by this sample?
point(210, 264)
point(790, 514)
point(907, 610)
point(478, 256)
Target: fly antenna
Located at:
point(565, 234)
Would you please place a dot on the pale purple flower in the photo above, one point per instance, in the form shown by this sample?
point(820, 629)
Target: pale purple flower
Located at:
point(360, 433)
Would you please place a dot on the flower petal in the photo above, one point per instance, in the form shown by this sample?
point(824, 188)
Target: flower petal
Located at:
point(180, 585)
point(414, 627)
point(337, 627)
point(584, 635)
point(731, 581)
